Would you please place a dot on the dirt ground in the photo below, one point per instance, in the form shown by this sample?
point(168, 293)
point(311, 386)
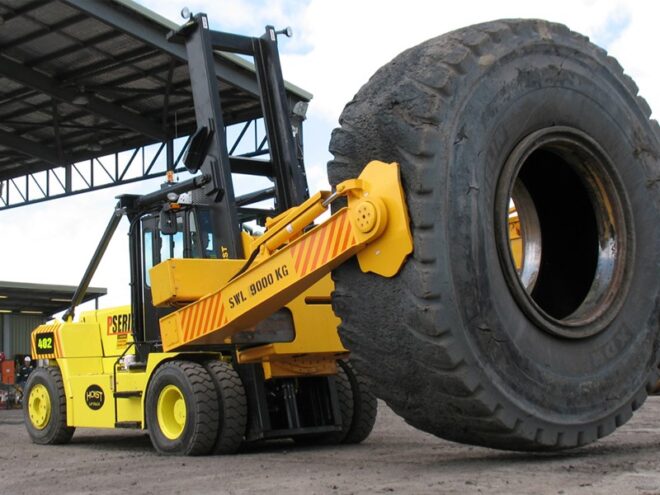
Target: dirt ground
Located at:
point(395, 459)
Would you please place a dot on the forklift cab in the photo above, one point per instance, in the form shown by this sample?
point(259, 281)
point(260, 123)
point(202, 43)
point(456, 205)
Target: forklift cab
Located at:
point(190, 236)
point(183, 232)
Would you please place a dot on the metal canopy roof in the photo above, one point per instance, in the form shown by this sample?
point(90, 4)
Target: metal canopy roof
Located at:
point(40, 299)
point(81, 79)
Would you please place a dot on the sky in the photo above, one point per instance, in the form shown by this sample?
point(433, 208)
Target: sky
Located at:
point(337, 45)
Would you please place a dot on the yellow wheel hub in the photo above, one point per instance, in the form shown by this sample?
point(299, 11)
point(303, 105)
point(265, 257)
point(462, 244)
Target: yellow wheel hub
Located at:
point(39, 406)
point(171, 412)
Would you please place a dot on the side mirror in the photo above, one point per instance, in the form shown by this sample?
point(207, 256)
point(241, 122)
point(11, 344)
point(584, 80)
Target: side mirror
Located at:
point(198, 148)
point(167, 221)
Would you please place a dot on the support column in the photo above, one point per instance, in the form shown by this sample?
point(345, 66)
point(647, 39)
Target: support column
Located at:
point(6, 337)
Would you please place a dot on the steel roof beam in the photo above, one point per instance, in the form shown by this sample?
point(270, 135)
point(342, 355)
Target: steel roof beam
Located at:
point(63, 81)
point(68, 50)
point(147, 33)
point(36, 80)
point(124, 60)
point(17, 12)
point(44, 31)
point(30, 148)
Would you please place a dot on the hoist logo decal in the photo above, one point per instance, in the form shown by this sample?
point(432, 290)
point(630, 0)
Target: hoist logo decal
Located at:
point(94, 397)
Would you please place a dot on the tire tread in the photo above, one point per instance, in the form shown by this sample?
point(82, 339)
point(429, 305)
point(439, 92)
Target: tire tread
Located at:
point(470, 414)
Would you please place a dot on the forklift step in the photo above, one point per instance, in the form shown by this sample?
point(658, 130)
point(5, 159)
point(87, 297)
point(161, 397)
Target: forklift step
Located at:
point(137, 366)
point(126, 394)
point(128, 424)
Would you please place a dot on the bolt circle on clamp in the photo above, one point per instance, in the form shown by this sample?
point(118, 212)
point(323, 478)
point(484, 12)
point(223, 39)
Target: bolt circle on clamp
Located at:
point(365, 216)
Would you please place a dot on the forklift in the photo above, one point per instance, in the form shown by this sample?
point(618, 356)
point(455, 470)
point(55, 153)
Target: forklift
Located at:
point(230, 336)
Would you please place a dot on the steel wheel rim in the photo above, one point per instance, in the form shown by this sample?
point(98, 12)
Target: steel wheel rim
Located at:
point(39, 406)
point(171, 412)
point(608, 249)
point(531, 236)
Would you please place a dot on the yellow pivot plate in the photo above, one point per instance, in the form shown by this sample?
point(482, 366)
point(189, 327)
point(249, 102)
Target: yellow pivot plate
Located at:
point(386, 253)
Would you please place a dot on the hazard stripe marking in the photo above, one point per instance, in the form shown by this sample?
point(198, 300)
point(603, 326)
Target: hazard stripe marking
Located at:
point(203, 314)
point(193, 321)
point(308, 252)
point(328, 247)
point(185, 320)
point(323, 244)
point(340, 233)
point(58, 344)
point(347, 236)
point(322, 235)
point(214, 309)
point(299, 253)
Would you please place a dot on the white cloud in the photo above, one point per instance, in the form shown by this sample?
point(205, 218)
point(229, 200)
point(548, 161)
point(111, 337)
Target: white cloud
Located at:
point(350, 39)
point(337, 45)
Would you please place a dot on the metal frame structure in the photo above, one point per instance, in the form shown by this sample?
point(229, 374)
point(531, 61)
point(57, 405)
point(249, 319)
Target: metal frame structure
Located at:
point(42, 300)
point(93, 95)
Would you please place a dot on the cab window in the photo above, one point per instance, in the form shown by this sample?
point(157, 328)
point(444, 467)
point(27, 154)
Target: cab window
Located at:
point(204, 243)
point(172, 246)
point(148, 256)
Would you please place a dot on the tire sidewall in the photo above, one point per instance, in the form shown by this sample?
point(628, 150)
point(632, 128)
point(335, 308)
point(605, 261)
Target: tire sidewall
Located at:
point(461, 359)
point(502, 108)
point(170, 375)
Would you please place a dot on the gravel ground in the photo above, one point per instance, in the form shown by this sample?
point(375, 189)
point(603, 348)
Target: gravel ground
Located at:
point(395, 459)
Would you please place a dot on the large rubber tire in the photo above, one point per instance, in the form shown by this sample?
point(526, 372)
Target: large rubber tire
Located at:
point(193, 386)
point(44, 407)
point(365, 406)
point(454, 343)
point(232, 407)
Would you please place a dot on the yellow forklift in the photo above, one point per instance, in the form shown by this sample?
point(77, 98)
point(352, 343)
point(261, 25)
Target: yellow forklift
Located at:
point(533, 329)
point(230, 335)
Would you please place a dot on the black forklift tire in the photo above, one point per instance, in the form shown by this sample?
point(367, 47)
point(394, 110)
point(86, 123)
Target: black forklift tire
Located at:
point(345, 401)
point(182, 386)
point(232, 406)
point(458, 343)
point(44, 407)
point(365, 406)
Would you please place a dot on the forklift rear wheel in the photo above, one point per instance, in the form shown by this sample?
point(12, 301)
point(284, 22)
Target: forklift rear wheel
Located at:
point(182, 409)
point(232, 403)
point(44, 407)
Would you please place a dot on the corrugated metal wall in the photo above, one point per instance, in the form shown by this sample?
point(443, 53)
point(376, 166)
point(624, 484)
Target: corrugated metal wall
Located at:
point(15, 333)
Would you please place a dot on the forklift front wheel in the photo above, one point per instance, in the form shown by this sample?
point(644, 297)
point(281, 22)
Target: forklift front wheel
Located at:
point(182, 409)
point(44, 407)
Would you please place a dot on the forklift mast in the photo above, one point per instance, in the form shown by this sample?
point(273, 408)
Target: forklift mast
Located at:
point(208, 154)
point(208, 149)
point(212, 189)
